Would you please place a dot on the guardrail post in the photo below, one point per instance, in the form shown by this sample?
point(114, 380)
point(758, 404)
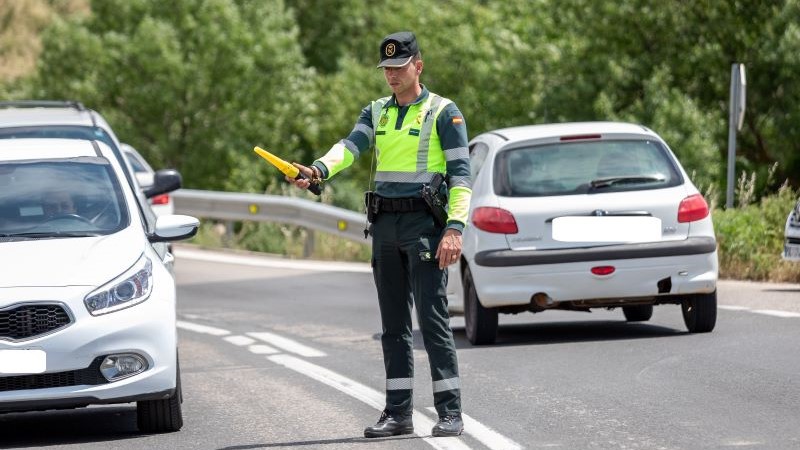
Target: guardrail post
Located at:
point(227, 239)
point(308, 245)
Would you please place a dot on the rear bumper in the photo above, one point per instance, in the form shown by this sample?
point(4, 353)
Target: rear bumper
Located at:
point(633, 279)
point(510, 258)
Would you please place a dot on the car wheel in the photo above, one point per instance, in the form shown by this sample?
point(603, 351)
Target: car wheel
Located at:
point(700, 312)
point(481, 323)
point(156, 416)
point(638, 313)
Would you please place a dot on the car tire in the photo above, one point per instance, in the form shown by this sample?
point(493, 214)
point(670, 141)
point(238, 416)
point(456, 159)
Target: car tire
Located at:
point(161, 416)
point(700, 312)
point(481, 323)
point(638, 313)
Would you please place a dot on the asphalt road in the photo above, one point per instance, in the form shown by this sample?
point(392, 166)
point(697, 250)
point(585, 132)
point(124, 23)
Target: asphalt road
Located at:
point(289, 357)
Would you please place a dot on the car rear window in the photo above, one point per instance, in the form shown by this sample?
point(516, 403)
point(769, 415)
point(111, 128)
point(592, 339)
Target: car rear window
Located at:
point(136, 164)
point(58, 132)
point(572, 168)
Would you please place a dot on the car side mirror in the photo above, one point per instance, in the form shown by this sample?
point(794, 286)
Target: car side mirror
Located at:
point(174, 228)
point(164, 180)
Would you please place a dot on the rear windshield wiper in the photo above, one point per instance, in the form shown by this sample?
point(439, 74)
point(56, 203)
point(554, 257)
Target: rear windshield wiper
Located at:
point(609, 181)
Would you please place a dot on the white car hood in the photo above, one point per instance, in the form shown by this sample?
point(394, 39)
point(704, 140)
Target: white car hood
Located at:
point(89, 261)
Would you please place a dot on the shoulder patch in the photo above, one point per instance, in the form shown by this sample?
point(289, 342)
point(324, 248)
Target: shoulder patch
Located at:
point(458, 120)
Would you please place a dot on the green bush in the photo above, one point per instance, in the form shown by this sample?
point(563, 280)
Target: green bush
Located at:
point(750, 239)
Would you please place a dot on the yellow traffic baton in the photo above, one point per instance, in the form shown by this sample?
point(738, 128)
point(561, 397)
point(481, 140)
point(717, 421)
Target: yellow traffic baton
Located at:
point(287, 168)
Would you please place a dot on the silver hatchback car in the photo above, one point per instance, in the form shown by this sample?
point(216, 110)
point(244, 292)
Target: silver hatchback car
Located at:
point(582, 215)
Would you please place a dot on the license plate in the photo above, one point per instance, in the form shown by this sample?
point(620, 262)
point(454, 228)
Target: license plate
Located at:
point(607, 229)
point(791, 252)
point(22, 362)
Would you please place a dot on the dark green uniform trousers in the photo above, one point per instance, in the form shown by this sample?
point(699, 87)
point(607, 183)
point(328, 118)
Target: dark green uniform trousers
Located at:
point(405, 270)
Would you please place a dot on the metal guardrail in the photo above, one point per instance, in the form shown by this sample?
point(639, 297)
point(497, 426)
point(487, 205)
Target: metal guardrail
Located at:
point(271, 208)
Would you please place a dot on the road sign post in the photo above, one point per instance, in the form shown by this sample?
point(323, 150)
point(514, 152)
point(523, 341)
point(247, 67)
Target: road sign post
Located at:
point(735, 121)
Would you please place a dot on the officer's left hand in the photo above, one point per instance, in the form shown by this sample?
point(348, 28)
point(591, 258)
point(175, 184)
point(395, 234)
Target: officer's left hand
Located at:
point(449, 248)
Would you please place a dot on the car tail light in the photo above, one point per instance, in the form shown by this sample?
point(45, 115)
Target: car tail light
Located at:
point(692, 208)
point(162, 199)
point(494, 220)
point(603, 270)
point(580, 137)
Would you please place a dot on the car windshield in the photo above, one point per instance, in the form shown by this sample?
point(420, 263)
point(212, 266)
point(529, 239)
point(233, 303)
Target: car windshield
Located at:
point(73, 197)
point(571, 168)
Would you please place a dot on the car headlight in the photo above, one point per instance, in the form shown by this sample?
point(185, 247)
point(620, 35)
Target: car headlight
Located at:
point(131, 287)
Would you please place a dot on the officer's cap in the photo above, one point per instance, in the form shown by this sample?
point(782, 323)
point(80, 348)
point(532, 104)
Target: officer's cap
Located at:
point(397, 49)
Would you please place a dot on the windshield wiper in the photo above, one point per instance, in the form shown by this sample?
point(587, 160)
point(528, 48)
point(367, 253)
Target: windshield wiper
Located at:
point(50, 234)
point(609, 181)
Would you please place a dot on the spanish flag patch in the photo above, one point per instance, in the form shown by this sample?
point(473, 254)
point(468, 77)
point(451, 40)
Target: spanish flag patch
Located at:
point(458, 120)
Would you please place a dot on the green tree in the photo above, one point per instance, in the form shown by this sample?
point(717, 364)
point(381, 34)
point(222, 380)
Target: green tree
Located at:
point(682, 52)
point(193, 84)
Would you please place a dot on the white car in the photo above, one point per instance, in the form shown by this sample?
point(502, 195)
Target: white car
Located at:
point(791, 244)
point(161, 204)
point(87, 300)
point(582, 215)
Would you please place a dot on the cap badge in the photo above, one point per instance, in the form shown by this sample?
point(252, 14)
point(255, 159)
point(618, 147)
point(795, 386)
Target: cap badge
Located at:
point(390, 49)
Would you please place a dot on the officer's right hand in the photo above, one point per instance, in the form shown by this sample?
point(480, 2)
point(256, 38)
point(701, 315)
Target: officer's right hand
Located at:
point(301, 183)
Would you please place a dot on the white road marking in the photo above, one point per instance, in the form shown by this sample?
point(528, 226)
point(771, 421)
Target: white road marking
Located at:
point(734, 308)
point(365, 394)
point(776, 313)
point(239, 340)
point(192, 316)
point(260, 349)
point(205, 329)
point(287, 344)
point(275, 263)
point(486, 435)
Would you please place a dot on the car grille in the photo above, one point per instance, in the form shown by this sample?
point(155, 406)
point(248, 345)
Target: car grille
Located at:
point(90, 375)
point(31, 320)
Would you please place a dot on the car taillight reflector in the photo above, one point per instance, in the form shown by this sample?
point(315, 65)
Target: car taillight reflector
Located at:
point(162, 199)
point(494, 220)
point(692, 208)
point(603, 270)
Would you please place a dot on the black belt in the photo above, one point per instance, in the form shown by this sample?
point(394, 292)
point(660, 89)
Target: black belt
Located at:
point(410, 204)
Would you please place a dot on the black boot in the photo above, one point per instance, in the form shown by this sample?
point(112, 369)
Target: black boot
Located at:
point(389, 425)
point(450, 425)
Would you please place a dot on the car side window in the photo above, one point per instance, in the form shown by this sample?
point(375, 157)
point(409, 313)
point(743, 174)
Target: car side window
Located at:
point(477, 156)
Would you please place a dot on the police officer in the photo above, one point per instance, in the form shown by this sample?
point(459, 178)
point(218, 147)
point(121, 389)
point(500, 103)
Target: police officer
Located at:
point(416, 134)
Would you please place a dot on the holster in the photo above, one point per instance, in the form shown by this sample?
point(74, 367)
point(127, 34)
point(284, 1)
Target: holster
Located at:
point(436, 199)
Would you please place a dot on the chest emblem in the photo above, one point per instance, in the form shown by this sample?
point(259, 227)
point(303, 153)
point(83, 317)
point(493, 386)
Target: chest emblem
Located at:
point(383, 121)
